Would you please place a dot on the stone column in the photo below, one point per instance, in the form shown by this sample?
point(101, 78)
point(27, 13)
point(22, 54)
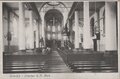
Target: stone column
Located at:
point(21, 26)
point(71, 29)
point(86, 27)
point(31, 30)
point(110, 26)
point(76, 30)
point(37, 35)
point(68, 25)
point(62, 36)
point(43, 29)
point(1, 30)
point(40, 27)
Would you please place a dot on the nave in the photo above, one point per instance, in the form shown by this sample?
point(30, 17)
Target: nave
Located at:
point(60, 37)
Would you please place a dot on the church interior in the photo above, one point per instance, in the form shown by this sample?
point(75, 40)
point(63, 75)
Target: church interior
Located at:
point(60, 37)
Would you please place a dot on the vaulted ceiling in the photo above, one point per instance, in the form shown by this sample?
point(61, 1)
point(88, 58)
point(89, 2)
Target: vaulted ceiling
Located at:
point(68, 5)
point(40, 5)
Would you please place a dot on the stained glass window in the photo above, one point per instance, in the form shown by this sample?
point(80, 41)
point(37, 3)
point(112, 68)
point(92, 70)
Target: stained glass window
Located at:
point(48, 28)
point(48, 36)
point(53, 28)
point(59, 28)
point(53, 36)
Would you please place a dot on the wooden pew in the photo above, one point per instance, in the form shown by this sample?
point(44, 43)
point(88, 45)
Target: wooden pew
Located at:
point(25, 63)
point(88, 61)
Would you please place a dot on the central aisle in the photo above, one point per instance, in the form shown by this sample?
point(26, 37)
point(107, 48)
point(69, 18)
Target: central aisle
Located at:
point(55, 64)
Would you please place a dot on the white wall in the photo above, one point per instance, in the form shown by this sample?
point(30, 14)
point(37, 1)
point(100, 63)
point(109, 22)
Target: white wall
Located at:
point(107, 40)
point(102, 34)
point(13, 30)
point(110, 23)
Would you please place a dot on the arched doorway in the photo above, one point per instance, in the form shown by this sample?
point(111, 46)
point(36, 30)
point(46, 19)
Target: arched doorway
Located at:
point(54, 22)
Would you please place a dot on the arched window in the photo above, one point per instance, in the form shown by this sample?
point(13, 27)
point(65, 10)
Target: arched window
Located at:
point(48, 28)
point(48, 36)
point(59, 28)
point(53, 28)
point(53, 36)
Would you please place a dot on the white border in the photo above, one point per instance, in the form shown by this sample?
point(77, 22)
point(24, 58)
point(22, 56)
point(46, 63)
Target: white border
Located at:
point(57, 75)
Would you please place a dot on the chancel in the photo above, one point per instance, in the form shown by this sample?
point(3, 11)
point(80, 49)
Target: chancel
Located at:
point(60, 37)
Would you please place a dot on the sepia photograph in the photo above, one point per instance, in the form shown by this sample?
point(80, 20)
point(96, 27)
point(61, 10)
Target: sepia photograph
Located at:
point(60, 37)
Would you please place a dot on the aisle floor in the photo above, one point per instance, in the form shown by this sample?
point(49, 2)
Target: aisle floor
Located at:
point(55, 63)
